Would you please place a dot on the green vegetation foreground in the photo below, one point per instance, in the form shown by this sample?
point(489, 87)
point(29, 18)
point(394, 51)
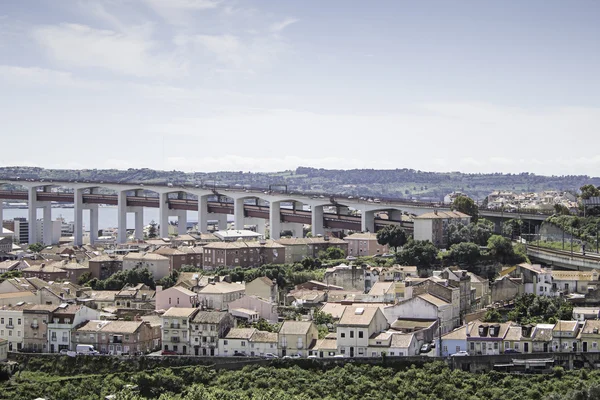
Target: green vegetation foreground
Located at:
point(280, 381)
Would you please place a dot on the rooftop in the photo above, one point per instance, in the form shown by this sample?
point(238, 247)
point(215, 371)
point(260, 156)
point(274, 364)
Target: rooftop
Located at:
point(209, 317)
point(295, 327)
point(240, 333)
point(358, 315)
point(180, 312)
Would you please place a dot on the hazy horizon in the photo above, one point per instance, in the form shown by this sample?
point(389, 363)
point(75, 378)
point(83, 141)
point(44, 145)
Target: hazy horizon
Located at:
point(256, 85)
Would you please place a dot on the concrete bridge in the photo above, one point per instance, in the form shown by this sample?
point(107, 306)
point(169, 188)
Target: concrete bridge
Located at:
point(564, 258)
point(283, 209)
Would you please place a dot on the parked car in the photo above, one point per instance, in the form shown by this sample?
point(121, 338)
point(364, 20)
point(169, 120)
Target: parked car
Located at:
point(426, 348)
point(511, 351)
point(64, 351)
point(240, 354)
point(312, 357)
point(86, 349)
point(168, 353)
point(292, 356)
point(461, 353)
point(270, 355)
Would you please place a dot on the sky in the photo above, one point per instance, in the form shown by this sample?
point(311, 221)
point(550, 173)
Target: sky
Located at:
point(256, 85)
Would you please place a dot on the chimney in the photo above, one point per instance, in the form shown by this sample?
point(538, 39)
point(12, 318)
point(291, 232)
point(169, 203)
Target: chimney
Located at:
point(159, 289)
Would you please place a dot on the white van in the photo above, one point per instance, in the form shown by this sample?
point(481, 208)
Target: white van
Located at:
point(86, 349)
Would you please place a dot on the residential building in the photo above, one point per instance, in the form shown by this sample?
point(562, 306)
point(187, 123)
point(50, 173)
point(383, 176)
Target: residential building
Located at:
point(47, 272)
point(207, 327)
point(9, 265)
point(3, 350)
point(35, 334)
point(574, 281)
point(297, 337)
point(158, 265)
point(449, 291)
point(263, 287)
point(541, 338)
point(589, 336)
point(384, 292)
point(356, 326)
point(455, 341)
point(64, 319)
point(11, 299)
point(536, 280)
point(364, 245)
point(487, 339)
point(297, 249)
point(175, 296)
point(564, 337)
point(433, 226)
point(237, 341)
point(138, 297)
point(348, 277)
point(264, 308)
point(425, 306)
point(400, 345)
point(176, 329)
point(326, 347)
point(101, 299)
point(12, 326)
point(245, 254)
point(583, 313)
point(104, 265)
point(262, 343)
point(482, 291)
point(218, 295)
point(177, 258)
point(117, 337)
point(505, 289)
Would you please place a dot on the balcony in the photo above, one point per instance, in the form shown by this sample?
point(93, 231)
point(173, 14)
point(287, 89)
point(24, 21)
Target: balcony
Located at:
point(175, 325)
point(35, 326)
point(10, 326)
point(117, 340)
point(175, 339)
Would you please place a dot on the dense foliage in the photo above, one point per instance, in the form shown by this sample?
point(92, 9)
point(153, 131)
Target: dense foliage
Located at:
point(127, 277)
point(477, 232)
point(313, 381)
point(393, 236)
point(465, 253)
point(502, 249)
point(466, 205)
point(532, 309)
point(585, 229)
point(421, 253)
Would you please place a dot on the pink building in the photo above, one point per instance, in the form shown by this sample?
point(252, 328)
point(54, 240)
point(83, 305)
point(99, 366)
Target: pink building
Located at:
point(364, 244)
point(175, 296)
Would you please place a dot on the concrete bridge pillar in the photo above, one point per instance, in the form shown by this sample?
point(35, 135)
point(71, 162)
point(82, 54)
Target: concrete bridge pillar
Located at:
point(221, 221)
point(32, 214)
point(122, 217)
point(395, 215)
point(47, 224)
point(78, 217)
point(238, 214)
point(163, 212)
point(202, 214)
point(367, 221)
point(93, 223)
point(139, 223)
point(1, 211)
point(182, 222)
point(275, 219)
point(316, 219)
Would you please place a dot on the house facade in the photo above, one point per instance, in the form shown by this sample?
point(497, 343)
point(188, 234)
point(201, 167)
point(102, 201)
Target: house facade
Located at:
point(355, 328)
point(207, 328)
point(297, 337)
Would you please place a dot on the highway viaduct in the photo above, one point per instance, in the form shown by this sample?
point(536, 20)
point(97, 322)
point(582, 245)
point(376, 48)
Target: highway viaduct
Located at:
point(211, 203)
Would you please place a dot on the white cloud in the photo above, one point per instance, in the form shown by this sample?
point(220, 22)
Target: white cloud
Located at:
point(39, 77)
point(133, 53)
point(279, 26)
point(180, 12)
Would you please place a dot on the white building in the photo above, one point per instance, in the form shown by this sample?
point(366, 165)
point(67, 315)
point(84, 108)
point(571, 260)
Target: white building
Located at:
point(65, 319)
point(433, 226)
point(12, 325)
point(218, 295)
point(157, 264)
point(176, 329)
point(356, 326)
point(425, 306)
point(207, 327)
point(55, 231)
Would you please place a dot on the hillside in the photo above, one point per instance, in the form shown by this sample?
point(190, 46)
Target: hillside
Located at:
point(406, 183)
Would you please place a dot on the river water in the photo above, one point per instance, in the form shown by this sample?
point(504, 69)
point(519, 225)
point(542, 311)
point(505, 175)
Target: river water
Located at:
point(107, 216)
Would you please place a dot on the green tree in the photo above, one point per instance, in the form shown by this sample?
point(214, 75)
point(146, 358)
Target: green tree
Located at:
point(501, 248)
point(465, 253)
point(421, 253)
point(169, 280)
point(152, 231)
point(36, 247)
point(393, 236)
point(588, 191)
point(84, 278)
point(335, 253)
point(322, 318)
point(466, 205)
point(512, 228)
point(559, 209)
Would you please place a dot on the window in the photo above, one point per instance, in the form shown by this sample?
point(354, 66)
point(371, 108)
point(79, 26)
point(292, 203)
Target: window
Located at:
point(360, 334)
point(594, 344)
point(1, 320)
point(445, 349)
point(343, 334)
point(472, 346)
point(225, 342)
point(392, 353)
point(516, 346)
point(19, 321)
point(374, 354)
point(496, 346)
point(351, 334)
point(243, 344)
point(506, 345)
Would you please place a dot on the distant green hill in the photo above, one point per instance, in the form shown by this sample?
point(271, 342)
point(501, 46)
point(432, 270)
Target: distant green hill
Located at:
point(407, 183)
